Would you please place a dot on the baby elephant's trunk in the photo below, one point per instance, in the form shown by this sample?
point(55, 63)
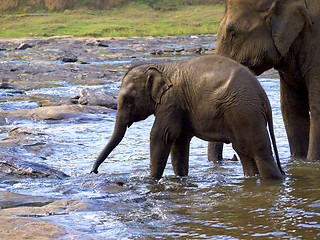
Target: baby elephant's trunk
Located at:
point(117, 136)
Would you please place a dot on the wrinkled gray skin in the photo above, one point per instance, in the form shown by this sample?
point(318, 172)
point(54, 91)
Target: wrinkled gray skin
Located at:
point(210, 97)
point(283, 34)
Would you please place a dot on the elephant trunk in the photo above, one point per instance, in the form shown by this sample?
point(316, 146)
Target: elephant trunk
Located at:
point(117, 136)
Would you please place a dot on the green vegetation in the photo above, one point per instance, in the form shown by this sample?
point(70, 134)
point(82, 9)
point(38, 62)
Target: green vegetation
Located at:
point(134, 19)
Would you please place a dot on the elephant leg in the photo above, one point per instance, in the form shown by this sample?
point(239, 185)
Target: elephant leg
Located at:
point(263, 156)
point(314, 138)
point(162, 137)
point(254, 149)
point(159, 153)
point(249, 165)
point(295, 112)
point(180, 156)
point(215, 151)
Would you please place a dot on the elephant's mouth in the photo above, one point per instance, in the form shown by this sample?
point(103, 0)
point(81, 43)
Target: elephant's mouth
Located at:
point(257, 69)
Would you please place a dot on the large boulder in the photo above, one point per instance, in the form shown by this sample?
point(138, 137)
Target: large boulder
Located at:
point(97, 98)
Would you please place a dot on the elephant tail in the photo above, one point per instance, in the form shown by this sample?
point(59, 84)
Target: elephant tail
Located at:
point(273, 139)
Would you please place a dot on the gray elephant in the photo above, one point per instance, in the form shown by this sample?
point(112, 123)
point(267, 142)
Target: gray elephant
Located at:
point(283, 34)
point(211, 97)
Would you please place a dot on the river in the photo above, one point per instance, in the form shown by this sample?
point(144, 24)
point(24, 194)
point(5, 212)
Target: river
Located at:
point(215, 202)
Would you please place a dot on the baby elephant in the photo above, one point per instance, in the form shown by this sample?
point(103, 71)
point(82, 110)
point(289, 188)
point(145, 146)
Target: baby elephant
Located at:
point(211, 97)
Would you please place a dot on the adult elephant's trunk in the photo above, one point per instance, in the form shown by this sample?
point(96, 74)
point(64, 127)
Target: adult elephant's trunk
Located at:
point(118, 134)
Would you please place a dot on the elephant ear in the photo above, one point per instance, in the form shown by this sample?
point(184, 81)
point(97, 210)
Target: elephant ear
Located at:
point(157, 82)
point(288, 19)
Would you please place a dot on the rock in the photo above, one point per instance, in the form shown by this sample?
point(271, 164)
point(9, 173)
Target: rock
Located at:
point(26, 228)
point(101, 43)
point(23, 46)
point(178, 50)
point(57, 207)
point(69, 59)
point(170, 50)
point(26, 223)
point(96, 98)
point(14, 165)
point(190, 49)
point(156, 52)
point(5, 85)
point(55, 112)
point(19, 132)
point(10, 200)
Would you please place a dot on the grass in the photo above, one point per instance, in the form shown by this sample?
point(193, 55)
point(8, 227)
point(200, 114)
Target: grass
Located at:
point(134, 20)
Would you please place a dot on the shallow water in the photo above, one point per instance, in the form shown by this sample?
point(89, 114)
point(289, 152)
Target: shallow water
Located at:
point(214, 202)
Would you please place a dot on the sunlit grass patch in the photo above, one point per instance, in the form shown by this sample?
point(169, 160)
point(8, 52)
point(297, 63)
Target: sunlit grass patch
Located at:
point(133, 20)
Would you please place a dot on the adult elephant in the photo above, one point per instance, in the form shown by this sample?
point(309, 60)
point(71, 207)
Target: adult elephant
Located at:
point(283, 34)
point(210, 97)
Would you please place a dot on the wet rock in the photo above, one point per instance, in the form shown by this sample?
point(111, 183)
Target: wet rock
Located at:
point(15, 165)
point(55, 112)
point(156, 52)
point(97, 98)
point(23, 46)
point(5, 85)
point(10, 200)
point(190, 49)
point(168, 50)
point(178, 50)
point(45, 100)
point(68, 59)
point(57, 207)
point(19, 132)
point(26, 228)
point(26, 222)
point(101, 43)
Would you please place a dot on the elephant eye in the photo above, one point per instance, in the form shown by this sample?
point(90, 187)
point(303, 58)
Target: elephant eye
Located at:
point(233, 34)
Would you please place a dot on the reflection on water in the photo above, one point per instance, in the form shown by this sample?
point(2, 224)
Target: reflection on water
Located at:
point(214, 202)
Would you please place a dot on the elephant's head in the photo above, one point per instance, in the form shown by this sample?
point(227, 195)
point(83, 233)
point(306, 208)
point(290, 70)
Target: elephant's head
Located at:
point(259, 33)
point(141, 90)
